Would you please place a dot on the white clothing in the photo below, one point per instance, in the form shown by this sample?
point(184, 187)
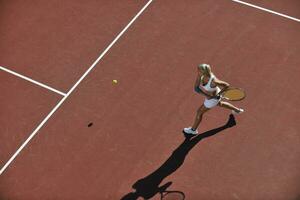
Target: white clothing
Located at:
point(210, 103)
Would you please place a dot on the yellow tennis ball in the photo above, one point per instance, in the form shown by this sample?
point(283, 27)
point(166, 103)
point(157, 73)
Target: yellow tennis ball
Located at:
point(115, 81)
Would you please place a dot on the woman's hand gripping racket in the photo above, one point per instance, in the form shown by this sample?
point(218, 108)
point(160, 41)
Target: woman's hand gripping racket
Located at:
point(232, 94)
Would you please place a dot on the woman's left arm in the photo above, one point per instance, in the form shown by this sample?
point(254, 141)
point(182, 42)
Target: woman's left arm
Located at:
point(224, 85)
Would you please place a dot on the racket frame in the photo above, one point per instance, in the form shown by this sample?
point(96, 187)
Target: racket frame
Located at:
point(230, 88)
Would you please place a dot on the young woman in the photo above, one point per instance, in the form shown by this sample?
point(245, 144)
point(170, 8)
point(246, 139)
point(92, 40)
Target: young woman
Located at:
point(211, 86)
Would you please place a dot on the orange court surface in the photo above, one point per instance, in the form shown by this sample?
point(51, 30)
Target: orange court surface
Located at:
point(95, 95)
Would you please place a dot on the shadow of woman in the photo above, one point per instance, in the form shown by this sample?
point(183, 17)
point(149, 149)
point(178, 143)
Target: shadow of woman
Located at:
point(148, 186)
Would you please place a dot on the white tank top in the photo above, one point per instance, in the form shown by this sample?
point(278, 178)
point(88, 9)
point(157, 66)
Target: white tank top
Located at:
point(207, 86)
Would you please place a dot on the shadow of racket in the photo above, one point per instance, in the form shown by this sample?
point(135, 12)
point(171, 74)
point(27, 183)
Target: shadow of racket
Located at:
point(172, 195)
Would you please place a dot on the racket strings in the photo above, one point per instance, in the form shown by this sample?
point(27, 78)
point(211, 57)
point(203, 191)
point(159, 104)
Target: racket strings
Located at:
point(234, 94)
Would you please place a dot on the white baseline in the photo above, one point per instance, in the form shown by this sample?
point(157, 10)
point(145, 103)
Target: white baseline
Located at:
point(72, 89)
point(267, 10)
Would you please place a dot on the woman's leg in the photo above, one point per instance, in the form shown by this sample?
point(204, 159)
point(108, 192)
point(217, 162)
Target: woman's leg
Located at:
point(198, 118)
point(227, 105)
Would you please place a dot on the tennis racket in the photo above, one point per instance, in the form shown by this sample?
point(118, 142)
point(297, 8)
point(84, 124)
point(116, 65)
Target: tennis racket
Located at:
point(233, 94)
point(172, 195)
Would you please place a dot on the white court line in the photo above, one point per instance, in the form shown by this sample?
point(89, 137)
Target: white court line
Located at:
point(267, 10)
point(32, 81)
point(72, 89)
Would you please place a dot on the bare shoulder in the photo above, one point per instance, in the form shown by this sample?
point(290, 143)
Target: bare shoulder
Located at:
point(216, 79)
point(199, 76)
point(220, 82)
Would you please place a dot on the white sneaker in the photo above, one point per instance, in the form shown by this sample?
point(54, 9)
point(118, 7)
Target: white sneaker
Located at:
point(190, 131)
point(239, 112)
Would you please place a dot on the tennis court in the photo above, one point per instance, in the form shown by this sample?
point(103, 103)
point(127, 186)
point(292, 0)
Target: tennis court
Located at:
point(57, 63)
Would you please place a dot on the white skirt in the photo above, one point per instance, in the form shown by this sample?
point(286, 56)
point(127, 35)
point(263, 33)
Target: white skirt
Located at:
point(210, 103)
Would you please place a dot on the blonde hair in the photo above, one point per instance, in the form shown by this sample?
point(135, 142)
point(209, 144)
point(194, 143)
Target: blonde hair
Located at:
point(205, 68)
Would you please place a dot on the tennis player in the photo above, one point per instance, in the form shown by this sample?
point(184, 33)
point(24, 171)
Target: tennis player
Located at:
point(210, 86)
